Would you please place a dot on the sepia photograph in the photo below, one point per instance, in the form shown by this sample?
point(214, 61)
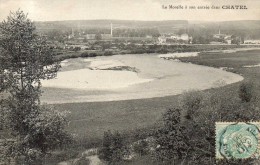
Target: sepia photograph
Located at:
point(129, 82)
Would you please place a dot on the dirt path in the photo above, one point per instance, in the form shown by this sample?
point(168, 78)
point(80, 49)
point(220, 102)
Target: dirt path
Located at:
point(94, 160)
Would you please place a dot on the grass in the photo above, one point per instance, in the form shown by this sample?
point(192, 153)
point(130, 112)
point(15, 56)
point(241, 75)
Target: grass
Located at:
point(235, 60)
point(90, 120)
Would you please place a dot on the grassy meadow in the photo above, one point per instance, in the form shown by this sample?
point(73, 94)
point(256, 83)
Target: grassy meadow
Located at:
point(90, 120)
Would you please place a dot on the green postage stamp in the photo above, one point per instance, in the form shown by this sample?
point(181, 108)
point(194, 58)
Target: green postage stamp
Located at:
point(237, 140)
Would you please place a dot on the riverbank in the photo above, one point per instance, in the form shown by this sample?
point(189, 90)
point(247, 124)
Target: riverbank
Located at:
point(100, 79)
point(90, 120)
point(142, 49)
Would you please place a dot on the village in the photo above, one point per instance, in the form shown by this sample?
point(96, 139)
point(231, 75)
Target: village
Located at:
point(116, 39)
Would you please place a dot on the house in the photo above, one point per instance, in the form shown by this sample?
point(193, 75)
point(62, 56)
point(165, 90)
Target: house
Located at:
point(184, 37)
point(90, 36)
point(80, 39)
point(228, 39)
point(106, 36)
point(175, 37)
point(148, 36)
point(162, 39)
point(252, 42)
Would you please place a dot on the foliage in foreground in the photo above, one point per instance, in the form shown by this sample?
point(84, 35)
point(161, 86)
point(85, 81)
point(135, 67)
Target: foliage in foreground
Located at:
point(201, 111)
point(187, 132)
point(25, 60)
point(113, 147)
point(171, 140)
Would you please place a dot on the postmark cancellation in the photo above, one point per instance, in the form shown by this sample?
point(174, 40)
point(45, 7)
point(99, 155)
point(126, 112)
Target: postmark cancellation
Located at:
point(237, 140)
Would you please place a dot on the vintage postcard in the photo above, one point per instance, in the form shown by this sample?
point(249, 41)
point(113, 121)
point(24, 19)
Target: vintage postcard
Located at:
point(140, 82)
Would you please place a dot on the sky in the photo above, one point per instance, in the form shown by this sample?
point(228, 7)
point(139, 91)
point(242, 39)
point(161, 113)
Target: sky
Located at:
point(53, 10)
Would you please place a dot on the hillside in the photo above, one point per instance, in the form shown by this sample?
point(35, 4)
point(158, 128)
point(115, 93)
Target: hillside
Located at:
point(163, 26)
point(246, 28)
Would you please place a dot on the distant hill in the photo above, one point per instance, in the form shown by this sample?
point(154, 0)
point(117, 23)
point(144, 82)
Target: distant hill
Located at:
point(226, 25)
point(163, 26)
point(247, 28)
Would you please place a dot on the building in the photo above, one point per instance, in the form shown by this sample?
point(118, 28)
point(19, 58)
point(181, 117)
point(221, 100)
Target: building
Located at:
point(149, 36)
point(162, 39)
point(90, 36)
point(224, 38)
point(72, 35)
point(106, 36)
point(219, 36)
point(252, 42)
point(228, 39)
point(184, 37)
point(175, 38)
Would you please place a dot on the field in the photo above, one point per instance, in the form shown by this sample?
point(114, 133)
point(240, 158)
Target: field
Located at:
point(90, 120)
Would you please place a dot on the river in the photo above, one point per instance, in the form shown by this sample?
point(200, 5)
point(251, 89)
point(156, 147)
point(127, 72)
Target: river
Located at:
point(96, 80)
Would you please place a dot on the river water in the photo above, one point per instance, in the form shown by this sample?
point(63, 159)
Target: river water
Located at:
point(84, 80)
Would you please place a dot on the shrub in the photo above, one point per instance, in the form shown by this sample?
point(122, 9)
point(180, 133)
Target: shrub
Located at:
point(108, 53)
point(191, 102)
point(113, 148)
point(76, 49)
point(92, 54)
point(84, 54)
point(172, 143)
point(141, 147)
point(246, 92)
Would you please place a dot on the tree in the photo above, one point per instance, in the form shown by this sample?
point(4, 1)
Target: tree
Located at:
point(25, 60)
point(98, 36)
point(171, 140)
point(246, 91)
point(191, 102)
point(113, 148)
point(141, 147)
point(76, 49)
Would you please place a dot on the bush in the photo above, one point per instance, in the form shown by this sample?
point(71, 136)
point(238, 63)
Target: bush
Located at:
point(141, 147)
point(191, 102)
point(92, 54)
point(108, 53)
point(246, 92)
point(84, 54)
point(113, 148)
point(171, 139)
point(76, 49)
